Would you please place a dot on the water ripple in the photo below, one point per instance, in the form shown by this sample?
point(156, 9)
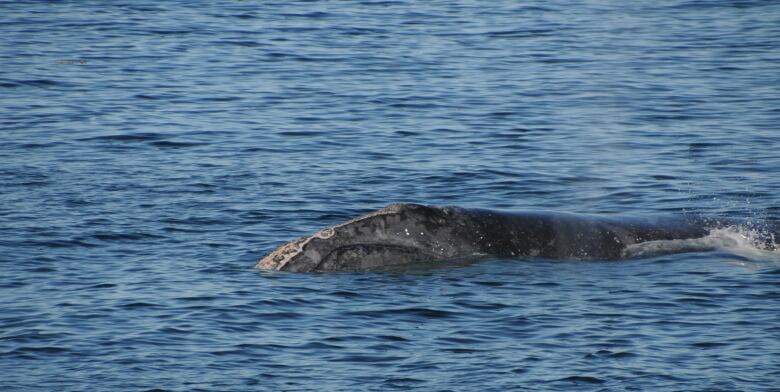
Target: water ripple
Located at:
point(152, 152)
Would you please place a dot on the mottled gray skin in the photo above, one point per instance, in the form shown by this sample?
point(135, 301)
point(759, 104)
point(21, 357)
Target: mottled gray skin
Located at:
point(410, 233)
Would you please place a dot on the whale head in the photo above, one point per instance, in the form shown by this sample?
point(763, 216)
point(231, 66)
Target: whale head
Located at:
point(303, 254)
point(397, 234)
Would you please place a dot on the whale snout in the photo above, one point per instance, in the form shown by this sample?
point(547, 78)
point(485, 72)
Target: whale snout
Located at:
point(283, 256)
point(301, 255)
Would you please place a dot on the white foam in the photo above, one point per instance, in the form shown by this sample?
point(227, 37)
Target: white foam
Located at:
point(738, 240)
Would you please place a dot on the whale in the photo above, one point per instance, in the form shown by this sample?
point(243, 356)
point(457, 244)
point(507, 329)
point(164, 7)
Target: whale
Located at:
point(407, 233)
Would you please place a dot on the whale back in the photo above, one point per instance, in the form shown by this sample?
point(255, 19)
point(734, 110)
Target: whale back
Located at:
point(411, 233)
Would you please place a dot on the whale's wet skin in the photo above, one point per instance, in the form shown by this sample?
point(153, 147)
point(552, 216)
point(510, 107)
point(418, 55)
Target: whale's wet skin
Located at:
point(401, 234)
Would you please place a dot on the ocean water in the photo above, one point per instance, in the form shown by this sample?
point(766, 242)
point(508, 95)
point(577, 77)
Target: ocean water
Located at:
point(151, 152)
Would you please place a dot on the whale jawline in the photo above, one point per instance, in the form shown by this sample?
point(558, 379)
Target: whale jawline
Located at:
point(372, 255)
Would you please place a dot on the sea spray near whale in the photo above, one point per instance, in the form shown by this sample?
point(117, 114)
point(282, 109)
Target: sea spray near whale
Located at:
point(402, 234)
point(743, 239)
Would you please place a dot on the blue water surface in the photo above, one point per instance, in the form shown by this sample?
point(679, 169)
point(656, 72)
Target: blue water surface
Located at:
point(151, 152)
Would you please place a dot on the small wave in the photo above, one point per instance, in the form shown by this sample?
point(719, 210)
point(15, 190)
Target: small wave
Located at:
point(369, 358)
point(745, 241)
point(43, 83)
point(412, 311)
point(172, 144)
point(128, 236)
point(61, 243)
point(582, 379)
point(39, 349)
point(127, 137)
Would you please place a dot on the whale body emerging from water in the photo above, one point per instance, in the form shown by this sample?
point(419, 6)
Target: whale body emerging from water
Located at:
point(402, 234)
